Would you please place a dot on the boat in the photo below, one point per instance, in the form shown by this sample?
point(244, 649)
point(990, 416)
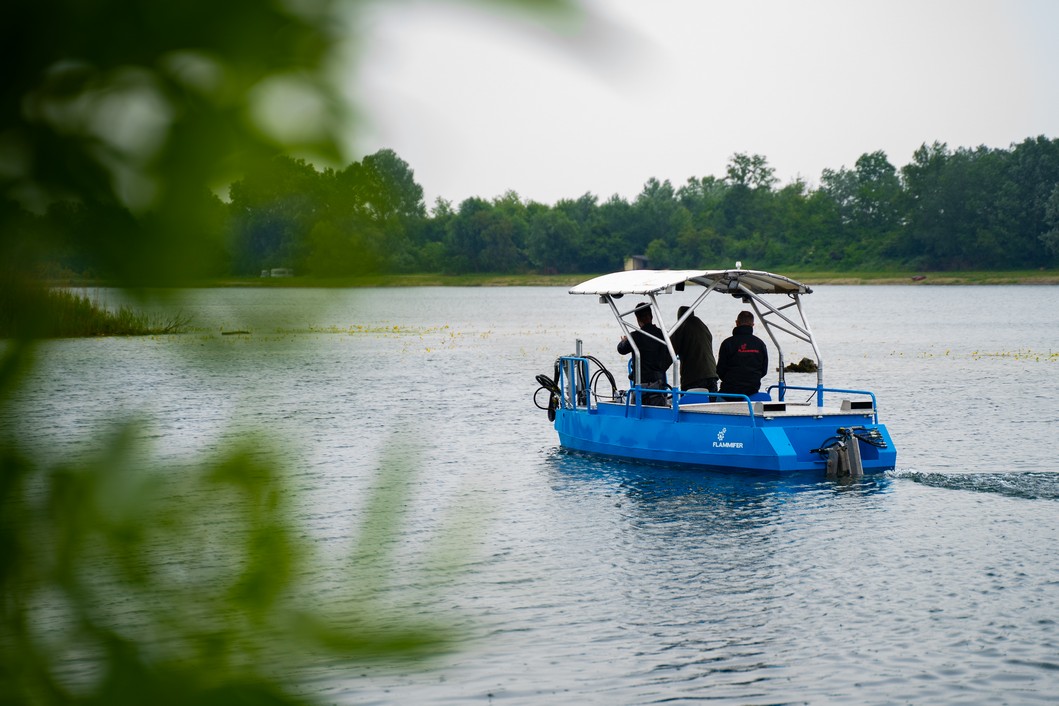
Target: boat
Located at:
point(785, 428)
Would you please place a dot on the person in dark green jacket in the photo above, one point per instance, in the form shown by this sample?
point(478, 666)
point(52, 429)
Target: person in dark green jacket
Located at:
point(693, 343)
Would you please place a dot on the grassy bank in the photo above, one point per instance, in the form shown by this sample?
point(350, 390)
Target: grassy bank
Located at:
point(407, 280)
point(929, 278)
point(536, 280)
point(57, 313)
point(567, 280)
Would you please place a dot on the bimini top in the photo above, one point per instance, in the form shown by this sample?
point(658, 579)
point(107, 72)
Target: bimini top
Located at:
point(655, 281)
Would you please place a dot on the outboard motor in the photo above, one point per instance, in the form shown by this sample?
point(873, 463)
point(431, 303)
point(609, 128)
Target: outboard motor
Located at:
point(842, 455)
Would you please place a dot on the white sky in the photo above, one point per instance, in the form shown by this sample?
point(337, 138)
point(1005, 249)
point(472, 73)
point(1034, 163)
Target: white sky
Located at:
point(479, 103)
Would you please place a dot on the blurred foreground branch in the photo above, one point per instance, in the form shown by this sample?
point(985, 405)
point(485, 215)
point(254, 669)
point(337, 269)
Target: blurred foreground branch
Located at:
point(122, 581)
point(125, 583)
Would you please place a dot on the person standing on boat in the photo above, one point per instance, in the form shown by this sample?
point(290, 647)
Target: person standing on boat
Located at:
point(654, 356)
point(693, 343)
point(742, 359)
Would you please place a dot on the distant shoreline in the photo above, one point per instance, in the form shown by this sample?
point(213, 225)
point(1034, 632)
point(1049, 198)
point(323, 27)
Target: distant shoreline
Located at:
point(1024, 277)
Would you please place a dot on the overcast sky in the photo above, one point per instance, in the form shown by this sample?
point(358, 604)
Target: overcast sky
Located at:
point(479, 104)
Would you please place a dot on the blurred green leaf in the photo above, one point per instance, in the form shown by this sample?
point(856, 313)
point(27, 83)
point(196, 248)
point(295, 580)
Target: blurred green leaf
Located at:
point(122, 579)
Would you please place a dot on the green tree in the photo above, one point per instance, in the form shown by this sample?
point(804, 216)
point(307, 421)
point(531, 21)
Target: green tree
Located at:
point(660, 254)
point(877, 194)
point(383, 186)
point(700, 244)
point(800, 226)
point(273, 211)
point(750, 171)
point(394, 202)
point(553, 242)
point(1033, 176)
point(600, 247)
point(974, 208)
point(702, 197)
point(333, 252)
point(1051, 214)
point(925, 186)
point(820, 228)
point(463, 237)
point(656, 215)
point(487, 237)
point(746, 216)
point(875, 216)
point(504, 234)
point(432, 254)
point(841, 187)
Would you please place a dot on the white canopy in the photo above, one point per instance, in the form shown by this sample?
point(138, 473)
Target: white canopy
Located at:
point(655, 281)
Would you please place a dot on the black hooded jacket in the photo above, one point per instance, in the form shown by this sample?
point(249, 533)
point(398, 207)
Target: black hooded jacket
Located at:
point(656, 358)
point(742, 361)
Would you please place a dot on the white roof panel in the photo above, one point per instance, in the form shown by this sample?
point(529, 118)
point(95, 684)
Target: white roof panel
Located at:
point(635, 281)
point(655, 281)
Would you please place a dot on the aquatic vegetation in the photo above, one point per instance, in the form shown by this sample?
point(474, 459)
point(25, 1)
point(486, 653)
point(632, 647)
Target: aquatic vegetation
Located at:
point(379, 329)
point(1025, 355)
point(60, 313)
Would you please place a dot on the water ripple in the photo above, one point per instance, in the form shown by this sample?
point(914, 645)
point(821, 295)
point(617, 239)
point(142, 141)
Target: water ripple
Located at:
point(588, 580)
point(1032, 486)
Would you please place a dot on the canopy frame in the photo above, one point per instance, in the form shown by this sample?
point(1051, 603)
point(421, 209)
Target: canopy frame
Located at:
point(749, 285)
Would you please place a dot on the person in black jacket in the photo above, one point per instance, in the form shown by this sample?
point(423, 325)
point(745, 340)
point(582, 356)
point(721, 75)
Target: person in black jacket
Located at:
point(654, 355)
point(742, 358)
point(693, 342)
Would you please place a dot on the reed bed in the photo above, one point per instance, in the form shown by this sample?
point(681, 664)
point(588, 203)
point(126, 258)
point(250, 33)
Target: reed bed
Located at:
point(60, 313)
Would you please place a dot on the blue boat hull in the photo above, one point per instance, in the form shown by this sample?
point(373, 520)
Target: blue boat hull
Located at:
point(715, 441)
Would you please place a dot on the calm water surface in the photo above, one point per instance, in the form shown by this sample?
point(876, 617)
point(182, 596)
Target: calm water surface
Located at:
point(594, 581)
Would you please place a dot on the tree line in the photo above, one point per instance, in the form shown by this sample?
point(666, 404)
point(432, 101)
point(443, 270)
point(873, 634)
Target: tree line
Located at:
point(948, 209)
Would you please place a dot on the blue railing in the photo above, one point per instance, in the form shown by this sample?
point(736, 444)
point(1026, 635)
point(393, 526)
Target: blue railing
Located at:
point(576, 395)
point(819, 391)
point(729, 396)
point(572, 393)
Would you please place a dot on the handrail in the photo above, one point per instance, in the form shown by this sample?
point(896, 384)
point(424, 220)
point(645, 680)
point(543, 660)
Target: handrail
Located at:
point(628, 401)
point(820, 389)
point(735, 398)
point(677, 394)
point(568, 381)
point(638, 391)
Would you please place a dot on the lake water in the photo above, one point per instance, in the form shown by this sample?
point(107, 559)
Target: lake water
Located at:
point(585, 580)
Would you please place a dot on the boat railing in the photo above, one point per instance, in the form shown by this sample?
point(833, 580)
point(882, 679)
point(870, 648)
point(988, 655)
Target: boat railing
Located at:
point(819, 391)
point(634, 400)
point(575, 386)
point(635, 394)
point(727, 397)
point(577, 382)
point(573, 382)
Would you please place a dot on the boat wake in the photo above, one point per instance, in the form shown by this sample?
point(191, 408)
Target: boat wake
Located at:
point(1028, 485)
